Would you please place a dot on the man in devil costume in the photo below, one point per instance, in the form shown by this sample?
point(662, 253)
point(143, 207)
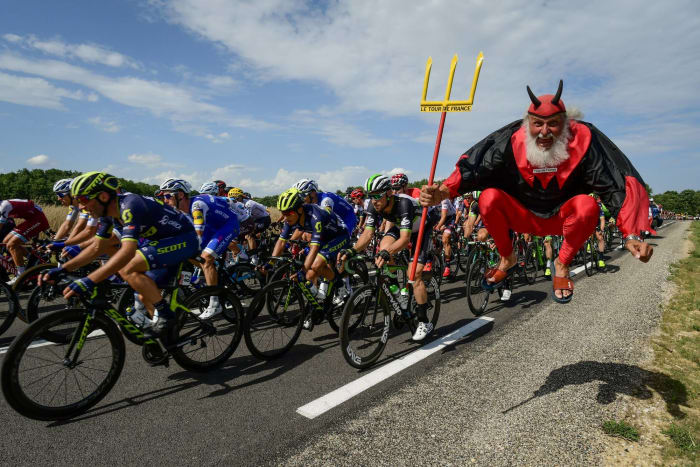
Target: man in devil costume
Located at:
point(536, 175)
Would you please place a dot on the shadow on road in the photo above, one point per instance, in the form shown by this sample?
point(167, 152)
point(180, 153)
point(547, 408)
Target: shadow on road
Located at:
point(616, 378)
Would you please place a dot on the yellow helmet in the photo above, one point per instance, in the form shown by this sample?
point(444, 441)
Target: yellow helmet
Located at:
point(91, 184)
point(290, 199)
point(235, 193)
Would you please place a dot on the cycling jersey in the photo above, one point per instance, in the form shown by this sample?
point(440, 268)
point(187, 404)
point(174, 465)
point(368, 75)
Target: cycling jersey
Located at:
point(474, 209)
point(447, 205)
point(18, 209)
point(459, 204)
point(215, 221)
point(332, 202)
point(239, 208)
point(257, 211)
point(34, 223)
point(405, 212)
point(322, 225)
point(73, 213)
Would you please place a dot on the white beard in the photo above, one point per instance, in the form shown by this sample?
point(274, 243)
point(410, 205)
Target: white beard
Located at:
point(552, 157)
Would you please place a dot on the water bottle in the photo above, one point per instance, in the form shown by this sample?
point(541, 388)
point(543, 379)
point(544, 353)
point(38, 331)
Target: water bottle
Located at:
point(403, 299)
point(394, 289)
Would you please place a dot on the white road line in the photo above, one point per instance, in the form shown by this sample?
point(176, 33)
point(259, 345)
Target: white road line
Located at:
point(325, 403)
point(42, 342)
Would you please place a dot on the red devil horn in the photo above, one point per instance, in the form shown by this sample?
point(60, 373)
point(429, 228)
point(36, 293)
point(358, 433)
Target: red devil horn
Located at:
point(555, 101)
point(533, 98)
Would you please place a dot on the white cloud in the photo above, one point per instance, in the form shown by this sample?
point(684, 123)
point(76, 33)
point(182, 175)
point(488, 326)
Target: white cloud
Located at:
point(105, 125)
point(329, 180)
point(41, 159)
point(151, 160)
point(35, 92)
point(91, 53)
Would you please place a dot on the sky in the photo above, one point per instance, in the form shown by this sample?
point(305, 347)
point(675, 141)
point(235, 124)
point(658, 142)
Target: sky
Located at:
point(262, 93)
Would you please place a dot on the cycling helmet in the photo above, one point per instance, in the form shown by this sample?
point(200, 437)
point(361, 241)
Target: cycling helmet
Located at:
point(220, 184)
point(175, 184)
point(235, 193)
point(247, 195)
point(399, 181)
point(91, 184)
point(62, 187)
point(357, 193)
point(377, 183)
point(306, 186)
point(209, 188)
point(290, 199)
point(476, 194)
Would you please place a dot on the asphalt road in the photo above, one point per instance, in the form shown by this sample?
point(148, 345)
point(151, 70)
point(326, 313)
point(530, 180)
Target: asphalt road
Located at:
point(245, 413)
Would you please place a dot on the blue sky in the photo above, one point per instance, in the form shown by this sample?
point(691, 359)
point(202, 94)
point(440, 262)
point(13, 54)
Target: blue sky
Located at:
point(261, 93)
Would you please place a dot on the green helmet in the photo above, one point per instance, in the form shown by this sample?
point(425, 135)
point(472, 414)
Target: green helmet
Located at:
point(290, 199)
point(377, 183)
point(91, 184)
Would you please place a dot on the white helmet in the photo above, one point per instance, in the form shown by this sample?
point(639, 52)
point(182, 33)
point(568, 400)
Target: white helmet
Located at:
point(209, 188)
point(62, 187)
point(306, 186)
point(175, 184)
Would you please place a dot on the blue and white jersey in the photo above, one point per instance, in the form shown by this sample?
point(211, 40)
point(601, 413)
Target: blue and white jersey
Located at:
point(211, 212)
point(321, 224)
point(334, 203)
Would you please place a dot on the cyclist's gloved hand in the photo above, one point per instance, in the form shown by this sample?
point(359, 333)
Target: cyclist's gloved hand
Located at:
point(348, 253)
point(56, 246)
point(84, 287)
point(301, 275)
point(71, 251)
point(385, 255)
point(54, 274)
point(268, 266)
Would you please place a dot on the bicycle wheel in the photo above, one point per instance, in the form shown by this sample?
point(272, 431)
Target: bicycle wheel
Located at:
point(272, 330)
point(203, 345)
point(25, 285)
point(463, 261)
point(588, 256)
point(8, 307)
point(49, 381)
point(531, 264)
point(48, 298)
point(477, 297)
point(365, 326)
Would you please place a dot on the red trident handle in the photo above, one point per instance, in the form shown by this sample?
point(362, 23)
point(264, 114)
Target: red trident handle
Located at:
point(424, 215)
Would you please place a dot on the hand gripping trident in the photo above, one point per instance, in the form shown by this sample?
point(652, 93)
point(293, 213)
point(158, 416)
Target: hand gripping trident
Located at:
point(445, 106)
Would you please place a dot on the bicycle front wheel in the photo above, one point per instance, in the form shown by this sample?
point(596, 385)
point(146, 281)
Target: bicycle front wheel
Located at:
point(477, 296)
point(47, 381)
point(365, 327)
point(203, 345)
point(8, 307)
point(272, 330)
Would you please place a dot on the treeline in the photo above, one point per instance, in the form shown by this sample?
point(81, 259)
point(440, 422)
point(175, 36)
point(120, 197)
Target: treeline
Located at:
point(685, 202)
point(37, 185)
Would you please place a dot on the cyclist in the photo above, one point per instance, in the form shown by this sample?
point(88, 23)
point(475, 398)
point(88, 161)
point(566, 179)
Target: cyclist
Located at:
point(259, 215)
point(245, 222)
point(603, 215)
point(216, 225)
point(445, 225)
point(34, 223)
point(169, 237)
point(357, 196)
point(399, 183)
point(221, 189)
point(403, 214)
point(328, 201)
point(62, 191)
point(328, 236)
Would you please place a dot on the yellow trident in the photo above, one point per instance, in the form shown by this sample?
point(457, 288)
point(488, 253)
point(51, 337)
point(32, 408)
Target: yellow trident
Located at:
point(447, 105)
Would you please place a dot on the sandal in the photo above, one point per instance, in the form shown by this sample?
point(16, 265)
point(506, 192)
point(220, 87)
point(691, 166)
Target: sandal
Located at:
point(561, 283)
point(499, 276)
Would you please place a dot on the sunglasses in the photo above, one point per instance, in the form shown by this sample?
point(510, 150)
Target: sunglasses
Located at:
point(167, 195)
point(82, 199)
point(376, 195)
point(288, 211)
point(61, 195)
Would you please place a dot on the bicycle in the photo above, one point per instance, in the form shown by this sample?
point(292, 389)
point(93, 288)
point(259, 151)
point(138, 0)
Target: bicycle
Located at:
point(89, 356)
point(367, 317)
point(277, 314)
point(482, 257)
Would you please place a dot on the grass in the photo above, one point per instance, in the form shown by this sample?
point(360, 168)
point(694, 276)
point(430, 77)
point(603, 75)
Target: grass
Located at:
point(677, 354)
point(621, 430)
point(682, 438)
